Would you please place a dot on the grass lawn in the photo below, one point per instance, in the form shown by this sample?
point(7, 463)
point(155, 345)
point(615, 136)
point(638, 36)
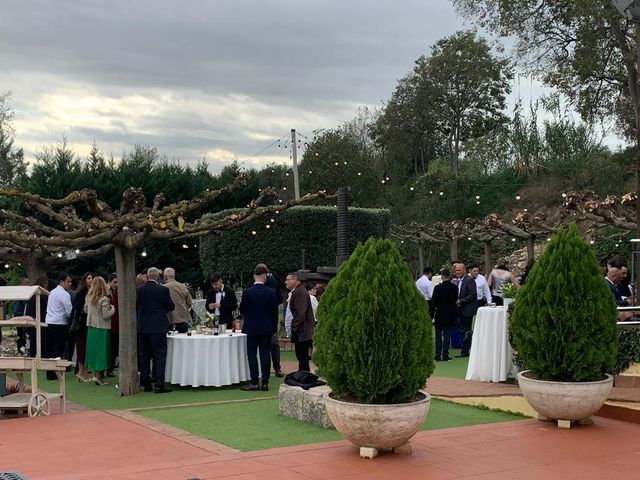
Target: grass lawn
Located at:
point(107, 398)
point(258, 425)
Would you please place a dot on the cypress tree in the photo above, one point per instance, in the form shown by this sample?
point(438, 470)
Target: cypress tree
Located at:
point(563, 324)
point(374, 339)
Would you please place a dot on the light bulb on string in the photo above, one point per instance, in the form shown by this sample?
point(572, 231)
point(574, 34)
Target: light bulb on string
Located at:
point(185, 246)
point(359, 174)
point(441, 193)
point(477, 202)
point(345, 163)
point(253, 232)
point(518, 197)
point(336, 164)
point(144, 253)
point(268, 225)
point(411, 188)
point(564, 195)
point(477, 197)
point(77, 250)
point(431, 192)
point(6, 265)
point(513, 239)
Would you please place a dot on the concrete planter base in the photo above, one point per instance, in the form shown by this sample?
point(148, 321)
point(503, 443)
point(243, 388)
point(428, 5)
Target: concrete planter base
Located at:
point(372, 427)
point(564, 402)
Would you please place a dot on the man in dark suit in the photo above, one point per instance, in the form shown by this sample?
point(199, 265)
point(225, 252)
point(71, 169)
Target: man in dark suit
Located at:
point(221, 300)
point(259, 307)
point(153, 303)
point(613, 275)
point(303, 321)
point(442, 308)
point(467, 304)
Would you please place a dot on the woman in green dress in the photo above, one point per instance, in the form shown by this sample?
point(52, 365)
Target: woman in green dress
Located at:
point(99, 312)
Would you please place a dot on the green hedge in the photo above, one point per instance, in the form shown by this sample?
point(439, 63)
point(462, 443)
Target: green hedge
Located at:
point(235, 253)
point(628, 347)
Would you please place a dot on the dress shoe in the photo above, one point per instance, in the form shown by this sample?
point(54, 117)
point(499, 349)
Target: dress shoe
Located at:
point(264, 387)
point(250, 387)
point(438, 359)
point(279, 373)
point(447, 359)
point(162, 390)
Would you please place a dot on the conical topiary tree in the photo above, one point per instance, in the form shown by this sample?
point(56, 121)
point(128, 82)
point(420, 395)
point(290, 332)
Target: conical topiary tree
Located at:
point(563, 323)
point(374, 339)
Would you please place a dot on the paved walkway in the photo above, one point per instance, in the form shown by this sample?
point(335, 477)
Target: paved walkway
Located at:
point(96, 445)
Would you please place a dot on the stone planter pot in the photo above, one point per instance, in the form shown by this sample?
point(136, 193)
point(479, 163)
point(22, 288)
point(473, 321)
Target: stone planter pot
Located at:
point(565, 402)
point(371, 427)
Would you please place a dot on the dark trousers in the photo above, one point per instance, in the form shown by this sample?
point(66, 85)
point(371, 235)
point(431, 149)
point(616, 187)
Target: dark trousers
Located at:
point(443, 341)
point(153, 345)
point(31, 335)
point(115, 349)
point(22, 337)
point(497, 300)
point(181, 327)
point(465, 326)
point(55, 341)
point(275, 352)
point(263, 344)
point(302, 354)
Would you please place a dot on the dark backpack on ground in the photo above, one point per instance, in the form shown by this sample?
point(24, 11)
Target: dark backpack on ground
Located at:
point(305, 380)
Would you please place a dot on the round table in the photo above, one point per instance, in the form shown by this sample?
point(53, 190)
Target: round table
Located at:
point(490, 358)
point(207, 360)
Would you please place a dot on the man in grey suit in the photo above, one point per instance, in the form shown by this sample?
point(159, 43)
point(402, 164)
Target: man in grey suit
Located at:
point(467, 304)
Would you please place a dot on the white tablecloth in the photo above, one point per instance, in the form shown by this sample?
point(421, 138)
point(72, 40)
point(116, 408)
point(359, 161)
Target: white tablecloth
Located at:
point(209, 360)
point(491, 355)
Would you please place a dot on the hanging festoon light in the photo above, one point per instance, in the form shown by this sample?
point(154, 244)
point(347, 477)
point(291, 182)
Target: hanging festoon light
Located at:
point(518, 196)
point(6, 265)
point(185, 246)
point(441, 193)
point(144, 253)
point(253, 232)
point(564, 195)
point(411, 188)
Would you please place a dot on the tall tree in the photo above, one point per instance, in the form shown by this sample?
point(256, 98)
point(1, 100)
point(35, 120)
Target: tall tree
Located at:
point(585, 49)
point(455, 94)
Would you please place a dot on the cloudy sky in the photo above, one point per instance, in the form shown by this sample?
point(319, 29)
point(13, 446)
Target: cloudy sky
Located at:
point(216, 79)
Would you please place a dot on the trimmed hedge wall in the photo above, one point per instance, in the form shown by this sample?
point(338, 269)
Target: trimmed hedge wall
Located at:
point(236, 252)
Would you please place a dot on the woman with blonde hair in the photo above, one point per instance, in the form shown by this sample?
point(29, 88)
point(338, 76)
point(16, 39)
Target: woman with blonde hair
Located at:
point(99, 312)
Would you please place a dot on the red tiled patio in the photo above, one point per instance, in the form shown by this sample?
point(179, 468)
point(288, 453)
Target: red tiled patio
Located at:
point(121, 445)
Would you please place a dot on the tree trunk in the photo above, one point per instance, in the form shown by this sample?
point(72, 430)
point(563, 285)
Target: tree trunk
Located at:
point(453, 245)
point(128, 382)
point(456, 148)
point(487, 257)
point(531, 244)
point(34, 267)
point(420, 258)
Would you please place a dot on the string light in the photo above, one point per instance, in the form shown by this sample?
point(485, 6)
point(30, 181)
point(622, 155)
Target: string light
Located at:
point(253, 232)
point(6, 265)
point(430, 192)
point(268, 225)
point(526, 210)
point(513, 239)
point(592, 241)
point(336, 164)
point(359, 174)
point(144, 253)
point(411, 188)
point(477, 197)
point(477, 202)
point(564, 195)
point(185, 246)
point(441, 193)
point(77, 250)
point(518, 197)
point(345, 163)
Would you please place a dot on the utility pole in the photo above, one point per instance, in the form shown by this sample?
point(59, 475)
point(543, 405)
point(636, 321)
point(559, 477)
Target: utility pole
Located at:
point(294, 156)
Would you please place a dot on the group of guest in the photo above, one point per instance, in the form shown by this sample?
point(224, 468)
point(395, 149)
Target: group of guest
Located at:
point(83, 321)
point(455, 300)
point(259, 308)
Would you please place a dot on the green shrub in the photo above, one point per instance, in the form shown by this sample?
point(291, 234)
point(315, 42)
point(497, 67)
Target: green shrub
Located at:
point(628, 347)
point(564, 319)
point(374, 339)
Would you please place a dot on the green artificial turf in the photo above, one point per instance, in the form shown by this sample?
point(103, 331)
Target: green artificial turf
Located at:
point(258, 425)
point(456, 368)
point(106, 397)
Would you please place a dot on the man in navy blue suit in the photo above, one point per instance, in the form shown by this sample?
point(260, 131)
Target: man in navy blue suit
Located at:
point(153, 303)
point(259, 307)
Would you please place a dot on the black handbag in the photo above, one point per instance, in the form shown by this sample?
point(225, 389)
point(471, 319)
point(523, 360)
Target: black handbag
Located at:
point(306, 380)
